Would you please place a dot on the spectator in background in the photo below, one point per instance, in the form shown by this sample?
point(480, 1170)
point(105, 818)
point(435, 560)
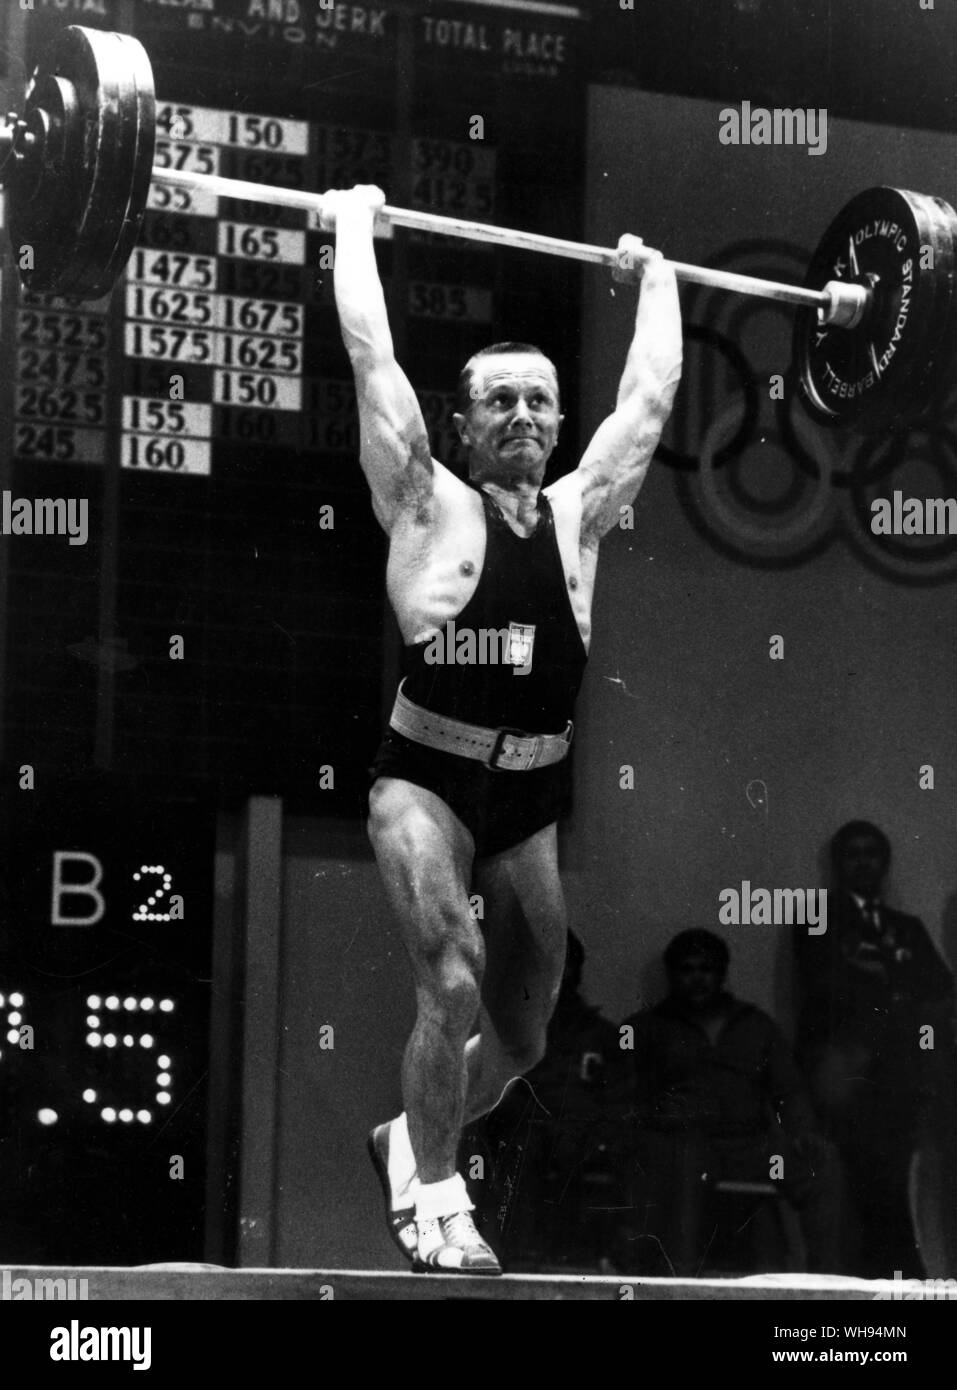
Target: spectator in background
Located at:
point(870, 985)
point(716, 1096)
point(551, 1196)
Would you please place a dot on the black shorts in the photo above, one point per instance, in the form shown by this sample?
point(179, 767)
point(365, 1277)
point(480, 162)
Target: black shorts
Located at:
point(499, 808)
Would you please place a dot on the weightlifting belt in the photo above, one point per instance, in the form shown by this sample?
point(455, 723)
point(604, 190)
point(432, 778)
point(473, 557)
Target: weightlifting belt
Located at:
point(503, 750)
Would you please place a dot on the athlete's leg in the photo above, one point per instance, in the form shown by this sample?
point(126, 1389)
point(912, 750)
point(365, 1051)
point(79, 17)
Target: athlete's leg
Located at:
point(526, 926)
point(424, 854)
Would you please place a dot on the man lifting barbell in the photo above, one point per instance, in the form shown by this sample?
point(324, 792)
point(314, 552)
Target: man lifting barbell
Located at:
point(471, 777)
point(874, 343)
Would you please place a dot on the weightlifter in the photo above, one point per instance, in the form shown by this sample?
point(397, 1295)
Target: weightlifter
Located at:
point(471, 775)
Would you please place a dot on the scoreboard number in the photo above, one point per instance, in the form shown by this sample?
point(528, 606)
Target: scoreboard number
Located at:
point(453, 157)
point(172, 268)
point(169, 344)
point(250, 242)
point(58, 444)
point(145, 451)
point(210, 125)
point(259, 316)
point(254, 389)
point(61, 368)
point(12, 1019)
point(149, 413)
point(189, 202)
point(84, 331)
point(40, 402)
point(138, 1034)
point(116, 1027)
point(268, 133)
point(163, 305)
point(258, 354)
point(178, 154)
point(179, 121)
point(350, 155)
point(459, 303)
point(461, 197)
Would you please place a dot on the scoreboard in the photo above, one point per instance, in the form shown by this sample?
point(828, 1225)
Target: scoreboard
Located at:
point(225, 623)
point(106, 938)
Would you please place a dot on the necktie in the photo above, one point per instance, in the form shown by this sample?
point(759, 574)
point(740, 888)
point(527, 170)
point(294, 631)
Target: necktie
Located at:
point(872, 915)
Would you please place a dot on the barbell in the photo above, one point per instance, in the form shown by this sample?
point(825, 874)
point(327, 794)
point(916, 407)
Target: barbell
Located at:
point(873, 336)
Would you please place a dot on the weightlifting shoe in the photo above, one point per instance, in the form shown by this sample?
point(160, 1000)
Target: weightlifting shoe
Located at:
point(452, 1245)
point(395, 1169)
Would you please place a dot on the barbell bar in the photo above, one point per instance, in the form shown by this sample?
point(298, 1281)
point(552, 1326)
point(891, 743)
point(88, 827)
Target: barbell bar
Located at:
point(875, 333)
point(842, 304)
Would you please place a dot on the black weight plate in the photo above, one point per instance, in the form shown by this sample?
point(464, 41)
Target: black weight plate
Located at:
point(924, 382)
point(83, 219)
point(141, 175)
point(51, 216)
point(938, 375)
point(879, 369)
point(118, 201)
point(79, 57)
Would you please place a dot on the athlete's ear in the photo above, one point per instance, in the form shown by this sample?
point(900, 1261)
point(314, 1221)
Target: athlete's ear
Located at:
point(461, 424)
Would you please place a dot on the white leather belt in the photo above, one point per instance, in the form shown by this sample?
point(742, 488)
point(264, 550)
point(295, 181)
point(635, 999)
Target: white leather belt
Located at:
point(503, 750)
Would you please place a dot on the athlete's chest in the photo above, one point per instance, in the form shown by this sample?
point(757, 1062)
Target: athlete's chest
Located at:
point(472, 553)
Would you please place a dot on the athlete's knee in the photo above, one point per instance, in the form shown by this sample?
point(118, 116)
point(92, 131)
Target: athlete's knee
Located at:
point(526, 1052)
point(524, 1058)
point(522, 1039)
point(450, 981)
point(382, 819)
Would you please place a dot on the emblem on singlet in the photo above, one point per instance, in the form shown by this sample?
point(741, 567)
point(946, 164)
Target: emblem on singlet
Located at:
point(487, 646)
point(521, 643)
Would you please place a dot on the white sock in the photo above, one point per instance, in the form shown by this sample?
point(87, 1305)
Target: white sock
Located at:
point(445, 1198)
point(402, 1170)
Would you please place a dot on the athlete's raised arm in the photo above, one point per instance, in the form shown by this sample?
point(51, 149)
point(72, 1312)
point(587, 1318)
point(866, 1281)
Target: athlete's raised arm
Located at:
point(615, 463)
point(395, 454)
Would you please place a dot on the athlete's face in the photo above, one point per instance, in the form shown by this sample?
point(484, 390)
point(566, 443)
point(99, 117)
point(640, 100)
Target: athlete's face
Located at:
point(512, 424)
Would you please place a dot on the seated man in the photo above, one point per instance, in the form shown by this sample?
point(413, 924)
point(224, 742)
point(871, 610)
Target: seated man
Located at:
point(716, 1095)
point(873, 985)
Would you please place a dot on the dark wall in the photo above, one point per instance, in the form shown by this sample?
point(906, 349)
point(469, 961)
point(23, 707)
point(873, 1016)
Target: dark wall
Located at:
point(877, 60)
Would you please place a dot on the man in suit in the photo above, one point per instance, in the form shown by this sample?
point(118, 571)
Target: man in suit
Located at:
point(874, 1037)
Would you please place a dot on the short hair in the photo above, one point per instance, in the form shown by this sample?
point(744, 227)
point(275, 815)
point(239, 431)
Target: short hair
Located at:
point(463, 390)
point(859, 827)
point(696, 941)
